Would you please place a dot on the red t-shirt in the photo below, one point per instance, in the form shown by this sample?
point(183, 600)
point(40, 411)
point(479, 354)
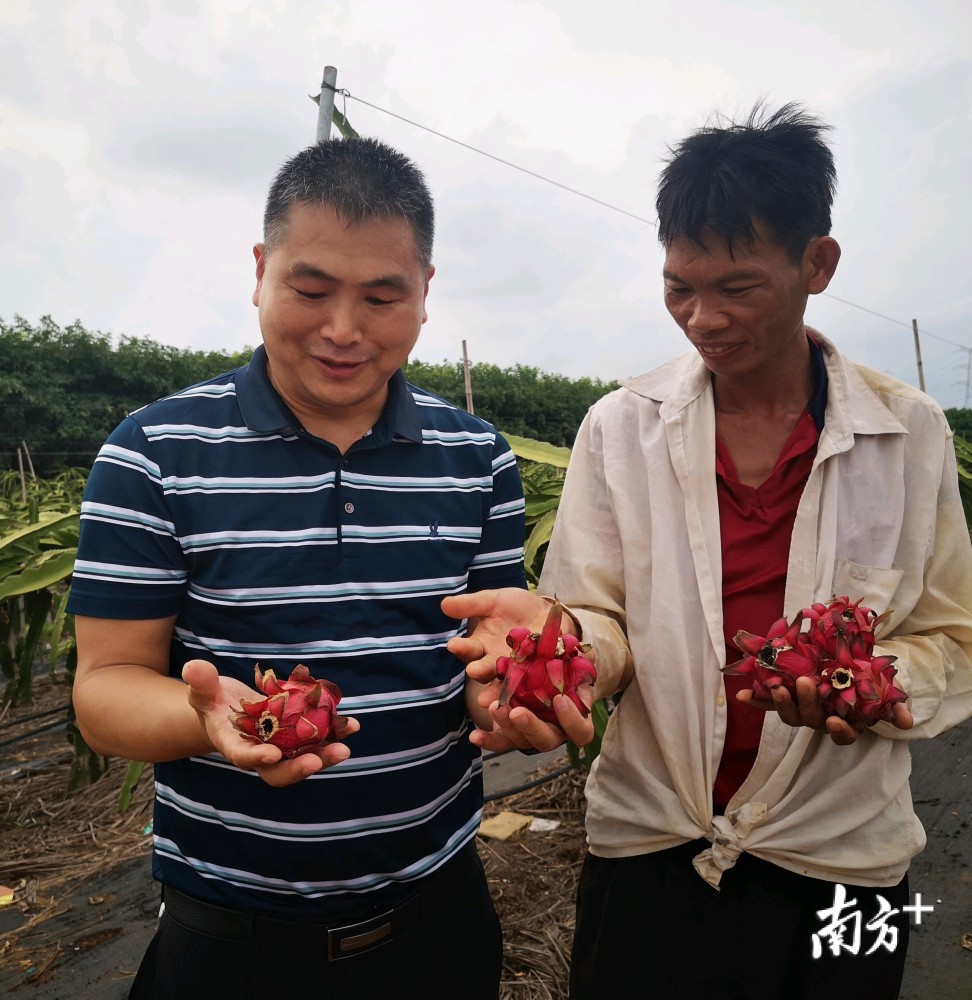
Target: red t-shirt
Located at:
point(756, 525)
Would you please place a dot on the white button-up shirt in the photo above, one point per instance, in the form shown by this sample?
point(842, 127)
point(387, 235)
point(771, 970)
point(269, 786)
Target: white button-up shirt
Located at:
point(636, 555)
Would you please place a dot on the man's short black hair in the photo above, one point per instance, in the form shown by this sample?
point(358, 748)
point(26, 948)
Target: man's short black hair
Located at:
point(362, 179)
point(772, 170)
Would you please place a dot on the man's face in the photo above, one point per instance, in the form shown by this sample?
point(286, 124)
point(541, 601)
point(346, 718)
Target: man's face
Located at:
point(744, 313)
point(340, 310)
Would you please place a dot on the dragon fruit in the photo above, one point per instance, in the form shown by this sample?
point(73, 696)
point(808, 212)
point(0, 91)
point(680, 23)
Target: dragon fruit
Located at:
point(543, 665)
point(835, 650)
point(297, 715)
point(843, 620)
point(861, 691)
point(778, 658)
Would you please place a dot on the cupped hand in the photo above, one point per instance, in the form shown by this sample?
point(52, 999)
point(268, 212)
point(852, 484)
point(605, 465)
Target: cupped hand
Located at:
point(807, 710)
point(520, 729)
point(215, 698)
point(491, 615)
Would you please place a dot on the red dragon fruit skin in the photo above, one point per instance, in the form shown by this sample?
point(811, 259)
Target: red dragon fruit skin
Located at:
point(778, 658)
point(297, 715)
point(861, 691)
point(542, 665)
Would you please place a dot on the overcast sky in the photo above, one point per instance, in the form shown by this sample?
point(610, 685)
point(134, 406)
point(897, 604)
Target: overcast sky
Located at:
point(137, 140)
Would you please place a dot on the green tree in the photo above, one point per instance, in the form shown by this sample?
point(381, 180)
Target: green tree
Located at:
point(960, 420)
point(63, 390)
point(520, 400)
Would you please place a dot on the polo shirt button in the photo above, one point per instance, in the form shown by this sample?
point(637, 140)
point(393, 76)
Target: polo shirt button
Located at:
point(349, 508)
point(720, 701)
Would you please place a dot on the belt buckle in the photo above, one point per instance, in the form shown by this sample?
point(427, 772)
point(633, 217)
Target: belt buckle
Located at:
point(355, 939)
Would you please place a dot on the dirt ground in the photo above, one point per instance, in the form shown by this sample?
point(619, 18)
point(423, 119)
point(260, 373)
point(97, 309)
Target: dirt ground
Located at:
point(85, 904)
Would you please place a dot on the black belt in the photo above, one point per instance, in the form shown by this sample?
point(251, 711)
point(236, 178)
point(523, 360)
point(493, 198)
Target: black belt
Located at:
point(351, 937)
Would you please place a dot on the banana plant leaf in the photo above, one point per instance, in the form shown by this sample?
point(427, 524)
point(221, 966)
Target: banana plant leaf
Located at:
point(539, 536)
point(539, 505)
point(539, 451)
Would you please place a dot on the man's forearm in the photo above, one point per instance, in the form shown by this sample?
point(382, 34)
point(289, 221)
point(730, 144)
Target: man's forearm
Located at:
point(133, 711)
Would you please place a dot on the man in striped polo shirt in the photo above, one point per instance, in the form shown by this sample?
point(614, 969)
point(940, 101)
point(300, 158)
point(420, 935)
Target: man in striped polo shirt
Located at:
point(311, 507)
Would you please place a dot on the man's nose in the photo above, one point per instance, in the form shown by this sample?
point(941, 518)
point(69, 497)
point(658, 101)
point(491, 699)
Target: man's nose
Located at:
point(706, 315)
point(341, 325)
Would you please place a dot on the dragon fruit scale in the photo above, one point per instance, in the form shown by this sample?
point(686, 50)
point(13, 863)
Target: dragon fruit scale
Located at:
point(845, 620)
point(297, 715)
point(859, 690)
point(542, 665)
point(778, 658)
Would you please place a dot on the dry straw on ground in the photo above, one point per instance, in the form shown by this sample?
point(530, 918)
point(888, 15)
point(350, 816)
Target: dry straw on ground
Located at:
point(53, 845)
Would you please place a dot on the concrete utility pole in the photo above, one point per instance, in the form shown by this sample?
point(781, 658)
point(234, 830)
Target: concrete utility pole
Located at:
point(921, 373)
point(466, 379)
point(325, 111)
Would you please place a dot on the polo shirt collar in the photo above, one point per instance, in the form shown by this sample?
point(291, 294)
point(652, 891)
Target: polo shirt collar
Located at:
point(818, 401)
point(399, 419)
point(266, 413)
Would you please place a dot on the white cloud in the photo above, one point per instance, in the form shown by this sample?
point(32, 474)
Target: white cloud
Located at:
point(97, 39)
point(138, 139)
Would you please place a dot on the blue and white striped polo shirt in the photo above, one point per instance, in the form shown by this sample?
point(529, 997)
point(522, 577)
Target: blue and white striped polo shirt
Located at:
point(273, 548)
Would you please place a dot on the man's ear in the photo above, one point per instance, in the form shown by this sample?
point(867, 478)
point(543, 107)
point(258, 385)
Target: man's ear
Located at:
point(425, 294)
point(820, 260)
point(260, 256)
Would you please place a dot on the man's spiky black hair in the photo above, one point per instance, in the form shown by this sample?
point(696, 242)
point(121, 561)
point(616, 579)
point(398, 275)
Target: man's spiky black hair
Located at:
point(775, 171)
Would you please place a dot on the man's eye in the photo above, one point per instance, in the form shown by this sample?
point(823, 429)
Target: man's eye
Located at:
point(676, 290)
point(738, 290)
point(373, 300)
point(309, 295)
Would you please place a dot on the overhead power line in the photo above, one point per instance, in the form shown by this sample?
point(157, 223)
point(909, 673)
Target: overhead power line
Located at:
point(597, 201)
point(890, 319)
point(498, 159)
point(897, 322)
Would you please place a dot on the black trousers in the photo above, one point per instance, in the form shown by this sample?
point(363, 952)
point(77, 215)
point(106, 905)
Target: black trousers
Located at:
point(650, 927)
point(453, 949)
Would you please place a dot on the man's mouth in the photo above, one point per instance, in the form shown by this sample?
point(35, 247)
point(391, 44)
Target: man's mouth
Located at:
point(333, 363)
point(340, 369)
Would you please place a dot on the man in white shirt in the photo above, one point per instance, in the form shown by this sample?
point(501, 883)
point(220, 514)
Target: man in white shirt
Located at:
point(746, 479)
